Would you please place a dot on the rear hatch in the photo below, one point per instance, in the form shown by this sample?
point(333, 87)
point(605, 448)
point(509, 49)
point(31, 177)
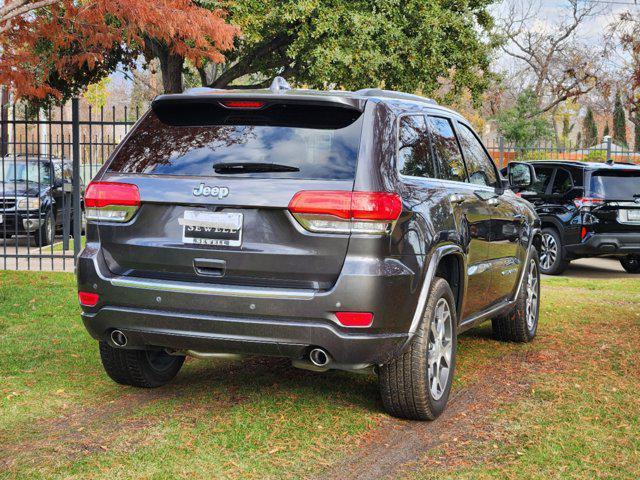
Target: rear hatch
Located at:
point(616, 192)
point(215, 177)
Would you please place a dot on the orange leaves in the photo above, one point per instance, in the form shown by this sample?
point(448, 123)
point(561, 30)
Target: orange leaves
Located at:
point(67, 43)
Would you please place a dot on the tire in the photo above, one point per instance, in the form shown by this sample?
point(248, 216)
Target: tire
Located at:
point(406, 383)
point(552, 261)
point(521, 323)
point(631, 263)
point(139, 368)
point(46, 233)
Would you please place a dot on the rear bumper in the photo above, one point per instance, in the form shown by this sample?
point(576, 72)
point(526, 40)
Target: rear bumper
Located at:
point(280, 322)
point(607, 244)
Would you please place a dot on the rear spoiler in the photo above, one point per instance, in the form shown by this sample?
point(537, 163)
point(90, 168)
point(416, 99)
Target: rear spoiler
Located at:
point(200, 97)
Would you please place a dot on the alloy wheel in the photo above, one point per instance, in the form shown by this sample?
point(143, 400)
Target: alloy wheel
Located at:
point(549, 251)
point(533, 296)
point(440, 349)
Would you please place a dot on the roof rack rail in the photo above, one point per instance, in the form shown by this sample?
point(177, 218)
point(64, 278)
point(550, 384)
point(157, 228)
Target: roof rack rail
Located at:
point(378, 92)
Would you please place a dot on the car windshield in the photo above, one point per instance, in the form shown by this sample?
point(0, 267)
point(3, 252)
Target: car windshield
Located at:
point(19, 170)
point(615, 184)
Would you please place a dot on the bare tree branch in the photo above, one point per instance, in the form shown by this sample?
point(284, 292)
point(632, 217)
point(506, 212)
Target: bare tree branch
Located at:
point(18, 8)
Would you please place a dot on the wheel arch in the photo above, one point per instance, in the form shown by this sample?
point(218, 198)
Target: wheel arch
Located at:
point(453, 265)
point(451, 268)
point(552, 222)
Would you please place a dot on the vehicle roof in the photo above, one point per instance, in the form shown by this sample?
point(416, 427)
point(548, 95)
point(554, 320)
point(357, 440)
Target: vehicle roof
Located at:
point(587, 165)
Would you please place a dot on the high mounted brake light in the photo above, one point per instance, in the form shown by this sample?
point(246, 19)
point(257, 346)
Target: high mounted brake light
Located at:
point(248, 104)
point(111, 201)
point(346, 212)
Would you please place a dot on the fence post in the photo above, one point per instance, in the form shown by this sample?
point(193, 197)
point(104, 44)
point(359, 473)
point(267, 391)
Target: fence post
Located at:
point(501, 155)
point(608, 140)
point(75, 149)
point(4, 122)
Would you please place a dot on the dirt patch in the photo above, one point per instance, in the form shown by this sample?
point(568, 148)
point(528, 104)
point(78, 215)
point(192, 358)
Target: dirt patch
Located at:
point(399, 446)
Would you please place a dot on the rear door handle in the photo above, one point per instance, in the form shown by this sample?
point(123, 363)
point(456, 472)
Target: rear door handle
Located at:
point(456, 198)
point(209, 268)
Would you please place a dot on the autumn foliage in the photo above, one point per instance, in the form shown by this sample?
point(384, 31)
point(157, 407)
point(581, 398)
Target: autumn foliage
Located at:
point(67, 44)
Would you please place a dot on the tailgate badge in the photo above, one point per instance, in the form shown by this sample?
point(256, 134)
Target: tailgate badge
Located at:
point(205, 191)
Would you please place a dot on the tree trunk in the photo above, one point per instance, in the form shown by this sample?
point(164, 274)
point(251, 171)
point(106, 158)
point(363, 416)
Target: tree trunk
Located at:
point(171, 68)
point(170, 64)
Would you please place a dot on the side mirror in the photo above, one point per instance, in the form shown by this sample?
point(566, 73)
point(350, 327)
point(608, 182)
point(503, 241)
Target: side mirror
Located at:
point(521, 175)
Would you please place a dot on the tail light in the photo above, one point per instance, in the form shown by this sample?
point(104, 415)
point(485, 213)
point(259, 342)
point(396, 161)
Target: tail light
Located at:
point(346, 212)
point(587, 202)
point(88, 299)
point(583, 233)
point(111, 201)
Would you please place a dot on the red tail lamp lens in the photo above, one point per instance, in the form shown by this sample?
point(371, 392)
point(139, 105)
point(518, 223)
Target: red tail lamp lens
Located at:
point(88, 299)
point(345, 212)
point(104, 194)
point(111, 201)
point(355, 319)
point(250, 104)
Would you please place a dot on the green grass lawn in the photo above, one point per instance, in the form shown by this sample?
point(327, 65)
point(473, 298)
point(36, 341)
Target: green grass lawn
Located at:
point(61, 417)
point(59, 245)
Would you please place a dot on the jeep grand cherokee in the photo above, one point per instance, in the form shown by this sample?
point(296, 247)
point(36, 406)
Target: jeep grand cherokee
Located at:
point(348, 230)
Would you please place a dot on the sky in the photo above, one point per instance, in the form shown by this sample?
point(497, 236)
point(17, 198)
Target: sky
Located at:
point(550, 12)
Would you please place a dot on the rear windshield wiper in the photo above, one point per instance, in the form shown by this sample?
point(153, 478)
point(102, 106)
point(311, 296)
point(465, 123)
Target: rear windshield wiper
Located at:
point(252, 167)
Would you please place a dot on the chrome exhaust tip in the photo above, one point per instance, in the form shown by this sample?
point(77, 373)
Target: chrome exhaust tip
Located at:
point(118, 338)
point(319, 357)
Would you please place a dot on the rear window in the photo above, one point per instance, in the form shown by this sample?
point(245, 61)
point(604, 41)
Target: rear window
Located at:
point(615, 184)
point(320, 142)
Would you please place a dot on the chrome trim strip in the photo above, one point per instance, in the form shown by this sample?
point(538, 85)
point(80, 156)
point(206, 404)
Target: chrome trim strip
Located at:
point(484, 314)
point(224, 290)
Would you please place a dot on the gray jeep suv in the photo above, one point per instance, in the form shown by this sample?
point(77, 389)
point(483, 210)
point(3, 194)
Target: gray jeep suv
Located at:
point(347, 230)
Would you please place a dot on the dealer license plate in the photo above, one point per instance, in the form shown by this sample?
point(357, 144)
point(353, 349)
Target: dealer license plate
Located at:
point(212, 228)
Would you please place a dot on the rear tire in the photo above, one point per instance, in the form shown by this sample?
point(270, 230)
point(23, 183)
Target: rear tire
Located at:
point(631, 263)
point(139, 368)
point(413, 385)
point(552, 261)
point(521, 323)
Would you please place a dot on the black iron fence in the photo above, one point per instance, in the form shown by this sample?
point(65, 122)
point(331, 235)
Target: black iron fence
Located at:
point(47, 156)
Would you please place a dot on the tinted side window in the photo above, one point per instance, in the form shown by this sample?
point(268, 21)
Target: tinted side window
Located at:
point(445, 145)
point(479, 165)
point(543, 175)
point(414, 151)
point(562, 182)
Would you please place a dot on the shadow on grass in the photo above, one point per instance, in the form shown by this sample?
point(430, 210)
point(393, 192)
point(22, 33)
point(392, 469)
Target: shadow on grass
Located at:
point(202, 381)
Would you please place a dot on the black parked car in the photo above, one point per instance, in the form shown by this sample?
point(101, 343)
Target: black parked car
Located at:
point(349, 230)
point(34, 193)
point(587, 209)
